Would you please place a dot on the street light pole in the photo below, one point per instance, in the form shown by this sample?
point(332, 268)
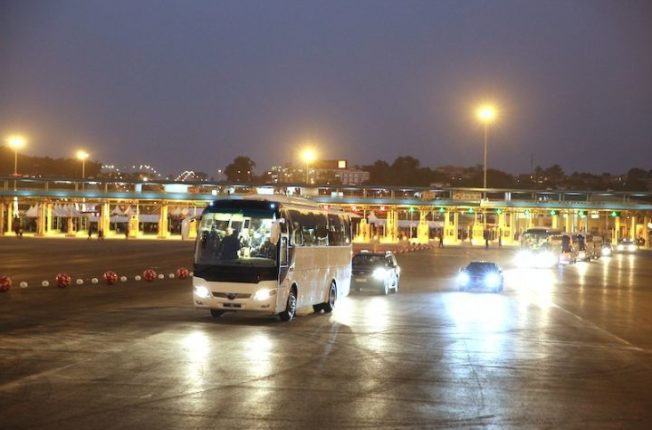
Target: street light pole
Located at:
point(486, 115)
point(484, 183)
point(16, 142)
point(82, 156)
point(308, 155)
point(15, 164)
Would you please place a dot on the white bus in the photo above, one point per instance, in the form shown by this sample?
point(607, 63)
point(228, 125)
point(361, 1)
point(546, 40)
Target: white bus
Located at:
point(540, 247)
point(271, 254)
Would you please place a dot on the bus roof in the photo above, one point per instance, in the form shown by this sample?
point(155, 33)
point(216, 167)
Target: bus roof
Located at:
point(543, 230)
point(278, 200)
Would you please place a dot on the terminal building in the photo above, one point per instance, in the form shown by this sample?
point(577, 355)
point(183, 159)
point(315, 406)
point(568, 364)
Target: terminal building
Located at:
point(163, 209)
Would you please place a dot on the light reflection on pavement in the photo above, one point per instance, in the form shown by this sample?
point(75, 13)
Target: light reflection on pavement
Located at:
point(560, 347)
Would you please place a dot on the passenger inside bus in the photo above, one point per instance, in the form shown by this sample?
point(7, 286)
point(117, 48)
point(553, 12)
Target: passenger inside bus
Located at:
point(565, 244)
point(230, 245)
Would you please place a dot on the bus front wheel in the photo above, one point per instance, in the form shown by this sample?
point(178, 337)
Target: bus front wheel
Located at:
point(290, 307)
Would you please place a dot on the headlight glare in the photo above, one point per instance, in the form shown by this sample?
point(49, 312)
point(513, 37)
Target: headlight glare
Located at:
point(202, 292)
point(380, 273)
point(524, 259)
point(492, 280)
point(463, 278)
point(264, 294)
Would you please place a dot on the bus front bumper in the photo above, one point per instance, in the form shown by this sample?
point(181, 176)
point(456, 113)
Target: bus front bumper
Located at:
point(253, 298)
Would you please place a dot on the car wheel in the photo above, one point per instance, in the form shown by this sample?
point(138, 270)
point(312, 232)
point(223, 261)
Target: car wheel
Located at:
point(385, 290)
point(332, 297)
point(317, 308)
point(216, 313)
point(290, 307)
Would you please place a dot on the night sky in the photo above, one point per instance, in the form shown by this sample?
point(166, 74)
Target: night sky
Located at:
point(192, 84)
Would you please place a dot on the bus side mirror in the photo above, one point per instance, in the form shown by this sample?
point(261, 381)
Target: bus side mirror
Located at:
point(276, 230)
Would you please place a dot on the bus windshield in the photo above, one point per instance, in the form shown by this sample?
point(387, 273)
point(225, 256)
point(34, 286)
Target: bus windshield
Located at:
point(538, 238)
point(236, 237)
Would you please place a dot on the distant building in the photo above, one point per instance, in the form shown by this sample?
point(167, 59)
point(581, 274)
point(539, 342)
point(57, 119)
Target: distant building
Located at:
point(322, 172)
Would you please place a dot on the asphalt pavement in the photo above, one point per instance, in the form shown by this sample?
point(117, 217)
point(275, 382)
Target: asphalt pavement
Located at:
point(564, 347)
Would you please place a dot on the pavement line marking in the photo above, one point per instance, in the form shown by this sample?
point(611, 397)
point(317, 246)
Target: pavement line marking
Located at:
point(28, 378)
point(600, 329)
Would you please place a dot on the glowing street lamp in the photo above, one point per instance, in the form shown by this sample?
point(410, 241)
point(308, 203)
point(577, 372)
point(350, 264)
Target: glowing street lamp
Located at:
point(486, 114)
point(16, 142)
point(82, 156)
point(308, 155)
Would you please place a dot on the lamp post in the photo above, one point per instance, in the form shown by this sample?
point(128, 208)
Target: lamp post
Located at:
point(486, 115)
point(308, 155)
point(16, 142)
point(82, 156)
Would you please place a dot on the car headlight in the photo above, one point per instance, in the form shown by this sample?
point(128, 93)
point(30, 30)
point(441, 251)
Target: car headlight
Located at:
point(606, 252)
point(380, 273)
point(463, 278)
point(620, 247)
point(631, 248)
point(202, 292)
point(264, 294)
point(492, 280)
point(546, 259)
point(524, 259)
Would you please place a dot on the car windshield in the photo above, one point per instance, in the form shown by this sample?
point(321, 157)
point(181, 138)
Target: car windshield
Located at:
point(236, 238)
point(627, 242)
point(369, 260)
point(480, 267)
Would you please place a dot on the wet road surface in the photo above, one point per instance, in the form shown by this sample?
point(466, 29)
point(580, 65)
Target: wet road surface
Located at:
point(563, 347)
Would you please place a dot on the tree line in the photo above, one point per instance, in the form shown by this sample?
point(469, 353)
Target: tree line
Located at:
point(403, 171)
point(407, 171)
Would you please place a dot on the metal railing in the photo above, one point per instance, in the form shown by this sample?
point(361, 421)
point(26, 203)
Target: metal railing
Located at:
point(34, 188)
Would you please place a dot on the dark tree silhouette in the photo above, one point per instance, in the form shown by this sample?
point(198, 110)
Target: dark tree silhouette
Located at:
point(240, 170)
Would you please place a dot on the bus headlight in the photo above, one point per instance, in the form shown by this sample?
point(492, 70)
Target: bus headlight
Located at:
point(524, 259)
point(264, 294)
point(547, 259)
point(463, 278)
point(492, 280)
point(380, 273)
point(202, 292)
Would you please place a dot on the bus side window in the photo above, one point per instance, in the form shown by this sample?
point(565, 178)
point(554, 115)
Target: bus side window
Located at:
point(346, 224)
point(296, 229)
point(283, 258)
point(297, 234)
point(334, 230)
point(321, 229)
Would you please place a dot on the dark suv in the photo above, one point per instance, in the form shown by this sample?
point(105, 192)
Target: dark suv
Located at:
point(378, 271)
